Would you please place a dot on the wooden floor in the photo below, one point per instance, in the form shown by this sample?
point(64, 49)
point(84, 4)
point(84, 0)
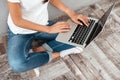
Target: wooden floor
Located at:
point(99, 61)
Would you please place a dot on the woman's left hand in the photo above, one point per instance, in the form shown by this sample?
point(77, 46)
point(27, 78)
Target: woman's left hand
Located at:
point(76, 17)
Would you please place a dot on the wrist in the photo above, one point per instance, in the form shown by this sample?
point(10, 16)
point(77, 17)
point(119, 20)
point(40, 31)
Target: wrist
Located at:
point(70, 13)
point(47, 29)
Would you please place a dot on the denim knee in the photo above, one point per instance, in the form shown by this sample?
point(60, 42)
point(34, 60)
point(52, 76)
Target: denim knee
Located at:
point(17, 66)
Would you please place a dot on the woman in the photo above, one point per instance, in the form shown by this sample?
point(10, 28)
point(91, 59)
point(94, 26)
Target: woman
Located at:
point(28, 20)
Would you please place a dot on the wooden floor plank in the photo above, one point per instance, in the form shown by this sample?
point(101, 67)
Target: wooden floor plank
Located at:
point(74, 69)
point(61, 78)
point(70, 76)
point(114, 41)
point(105, 62)
point(109, 51)
point(88, 54)
point(53, 70)
point(85, 68)
point(91, 68)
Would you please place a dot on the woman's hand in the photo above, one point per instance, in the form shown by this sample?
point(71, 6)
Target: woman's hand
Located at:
point(79, 17)
point(59, 27)
point(75, 17)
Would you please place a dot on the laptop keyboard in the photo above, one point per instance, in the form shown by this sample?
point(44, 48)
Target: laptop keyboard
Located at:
point(81, 32)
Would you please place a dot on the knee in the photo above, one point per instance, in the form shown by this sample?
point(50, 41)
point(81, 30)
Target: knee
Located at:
point(16, 66)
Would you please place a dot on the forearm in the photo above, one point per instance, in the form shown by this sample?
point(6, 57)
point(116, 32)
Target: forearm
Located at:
point(32, 26)
point(61, 6)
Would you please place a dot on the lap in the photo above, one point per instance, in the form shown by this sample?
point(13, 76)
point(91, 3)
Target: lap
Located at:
point(23, 42)
point(45, 36)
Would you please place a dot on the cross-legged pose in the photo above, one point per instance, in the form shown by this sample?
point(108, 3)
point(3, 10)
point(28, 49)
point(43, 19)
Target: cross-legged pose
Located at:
point(28, 20)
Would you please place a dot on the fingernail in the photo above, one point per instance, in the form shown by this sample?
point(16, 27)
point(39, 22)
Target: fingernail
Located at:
point(81, 24)
point(89, 21)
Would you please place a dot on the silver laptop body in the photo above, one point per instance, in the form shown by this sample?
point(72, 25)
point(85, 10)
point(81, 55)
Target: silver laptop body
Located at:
point(65, 37)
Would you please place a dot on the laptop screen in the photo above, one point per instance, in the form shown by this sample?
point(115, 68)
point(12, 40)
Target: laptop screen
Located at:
point(105, 16)
point(99, 25)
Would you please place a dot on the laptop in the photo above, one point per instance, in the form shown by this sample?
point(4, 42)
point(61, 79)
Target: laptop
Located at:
point(80, 35)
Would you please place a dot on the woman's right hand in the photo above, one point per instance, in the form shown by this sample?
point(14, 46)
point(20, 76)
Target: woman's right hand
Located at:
point(59, 27)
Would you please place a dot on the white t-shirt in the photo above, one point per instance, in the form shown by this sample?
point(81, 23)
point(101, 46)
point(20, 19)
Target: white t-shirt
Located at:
point(32, 10)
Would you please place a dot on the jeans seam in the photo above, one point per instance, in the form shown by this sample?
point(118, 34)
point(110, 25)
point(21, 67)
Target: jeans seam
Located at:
point(57, 46)
point(26, 46)
point(50, 56)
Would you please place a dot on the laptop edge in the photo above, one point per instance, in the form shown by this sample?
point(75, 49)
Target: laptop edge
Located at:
point(99, 25)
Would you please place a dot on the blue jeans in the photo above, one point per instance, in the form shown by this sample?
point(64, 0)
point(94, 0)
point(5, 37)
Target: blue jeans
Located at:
point(19, 57)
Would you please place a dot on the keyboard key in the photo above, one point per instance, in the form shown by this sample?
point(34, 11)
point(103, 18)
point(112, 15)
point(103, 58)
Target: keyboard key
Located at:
point(81, 32)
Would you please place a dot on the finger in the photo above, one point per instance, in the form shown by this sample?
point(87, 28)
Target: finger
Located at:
point(84, 19)
point(65, 30)
point(65, 25)
point(62, 22)
point(83, 22)
point(78, 22)
point(58, 23)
